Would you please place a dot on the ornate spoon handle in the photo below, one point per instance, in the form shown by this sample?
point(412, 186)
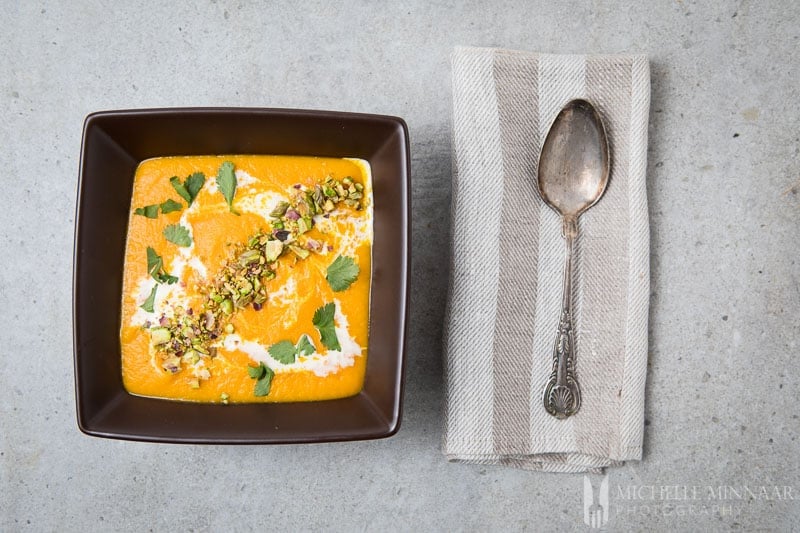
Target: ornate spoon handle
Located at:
point(562, 395)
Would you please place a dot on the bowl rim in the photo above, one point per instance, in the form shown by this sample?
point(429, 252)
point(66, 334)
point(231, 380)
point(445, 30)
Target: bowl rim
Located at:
point(88, 427)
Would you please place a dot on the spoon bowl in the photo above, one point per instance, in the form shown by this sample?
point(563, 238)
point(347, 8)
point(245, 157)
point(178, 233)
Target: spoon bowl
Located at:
point(573, 167)
point(573, 175)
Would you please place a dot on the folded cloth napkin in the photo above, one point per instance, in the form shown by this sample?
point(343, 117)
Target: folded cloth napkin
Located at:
point(507, 263)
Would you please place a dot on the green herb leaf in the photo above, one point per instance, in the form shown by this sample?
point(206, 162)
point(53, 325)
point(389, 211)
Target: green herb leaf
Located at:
point(171, 205)
point(226, 182)
point(193, 184)
point(305, 346)
point(155, 267)
point(264, 383)
point(256, 372)
point(283, 352)
point(264, 375)
point(323, 321)
point(180, 189)
point(149, 211)
point(342, 273)
point(177, 234)
point(148, 304)
point(154, 263)
point(190, 187)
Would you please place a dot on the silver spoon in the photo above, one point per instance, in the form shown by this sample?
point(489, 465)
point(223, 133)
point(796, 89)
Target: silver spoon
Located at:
point(573, 173)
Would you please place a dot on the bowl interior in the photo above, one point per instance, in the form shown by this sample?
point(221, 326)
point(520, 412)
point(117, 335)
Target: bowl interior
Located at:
point(114, 143)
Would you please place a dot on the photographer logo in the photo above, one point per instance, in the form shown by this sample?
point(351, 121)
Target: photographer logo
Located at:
point(595, 505)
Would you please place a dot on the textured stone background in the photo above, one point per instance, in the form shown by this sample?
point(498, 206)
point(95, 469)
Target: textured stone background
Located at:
point(724, 191)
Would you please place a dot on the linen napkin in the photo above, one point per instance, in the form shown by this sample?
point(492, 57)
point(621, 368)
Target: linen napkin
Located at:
point(508, 257)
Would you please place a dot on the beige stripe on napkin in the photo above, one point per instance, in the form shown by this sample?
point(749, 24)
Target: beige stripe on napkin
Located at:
point(507, 261)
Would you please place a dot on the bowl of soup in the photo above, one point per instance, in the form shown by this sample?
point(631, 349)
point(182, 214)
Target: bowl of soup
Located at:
point(241, 275)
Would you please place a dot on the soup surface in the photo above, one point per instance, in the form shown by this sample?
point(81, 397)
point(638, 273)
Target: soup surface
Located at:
point(247, 278)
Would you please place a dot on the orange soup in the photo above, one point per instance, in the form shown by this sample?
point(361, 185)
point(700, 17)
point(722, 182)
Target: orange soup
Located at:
point(247, 278)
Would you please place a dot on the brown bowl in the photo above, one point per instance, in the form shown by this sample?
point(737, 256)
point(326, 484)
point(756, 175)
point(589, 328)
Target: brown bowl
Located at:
point(114, 143)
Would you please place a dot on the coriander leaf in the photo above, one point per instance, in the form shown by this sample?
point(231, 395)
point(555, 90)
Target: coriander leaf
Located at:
point(190, 187)
point(329, 338)
point(226, 182)
point(149, 211)
point(283, 352)
point(148, 304)
point(323, 321)
point(193, 184)
point(256, 372)
point(180, 189)
point(177, 234)
point(323, 317)
point(171, 205)
point(264, 383)
point(305, 346)
point(155, 267)
point(342, 273)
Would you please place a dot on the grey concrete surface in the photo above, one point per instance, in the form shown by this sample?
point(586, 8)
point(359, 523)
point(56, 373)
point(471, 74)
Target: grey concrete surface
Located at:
point(724, 192)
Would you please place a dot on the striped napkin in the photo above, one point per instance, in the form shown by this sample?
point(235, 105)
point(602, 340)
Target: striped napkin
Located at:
point(507, 263)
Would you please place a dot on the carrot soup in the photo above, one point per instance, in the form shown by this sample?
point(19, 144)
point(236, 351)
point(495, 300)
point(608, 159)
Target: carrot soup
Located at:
point(247, 278)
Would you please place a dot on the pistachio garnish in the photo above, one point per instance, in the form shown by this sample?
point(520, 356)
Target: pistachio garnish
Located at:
point(187, 336)
point(279, 210)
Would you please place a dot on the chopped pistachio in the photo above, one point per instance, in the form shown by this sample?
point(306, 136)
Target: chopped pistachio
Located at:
point(302, 208)
point(319, 196)
point(172, 365)
point(249, 257)
point(272, 250)
point(303, 225)
point(245, 287)
point(299, 252)
point(197, 345)
point(279, 210)
point(312, 208)
point(242, 302)
point(159, 336)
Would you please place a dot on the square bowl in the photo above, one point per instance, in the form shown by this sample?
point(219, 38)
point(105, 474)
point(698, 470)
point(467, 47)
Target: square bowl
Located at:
point(114, 143)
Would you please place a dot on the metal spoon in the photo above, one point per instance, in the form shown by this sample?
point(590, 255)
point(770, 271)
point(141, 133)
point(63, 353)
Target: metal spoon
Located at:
point(573, 173)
